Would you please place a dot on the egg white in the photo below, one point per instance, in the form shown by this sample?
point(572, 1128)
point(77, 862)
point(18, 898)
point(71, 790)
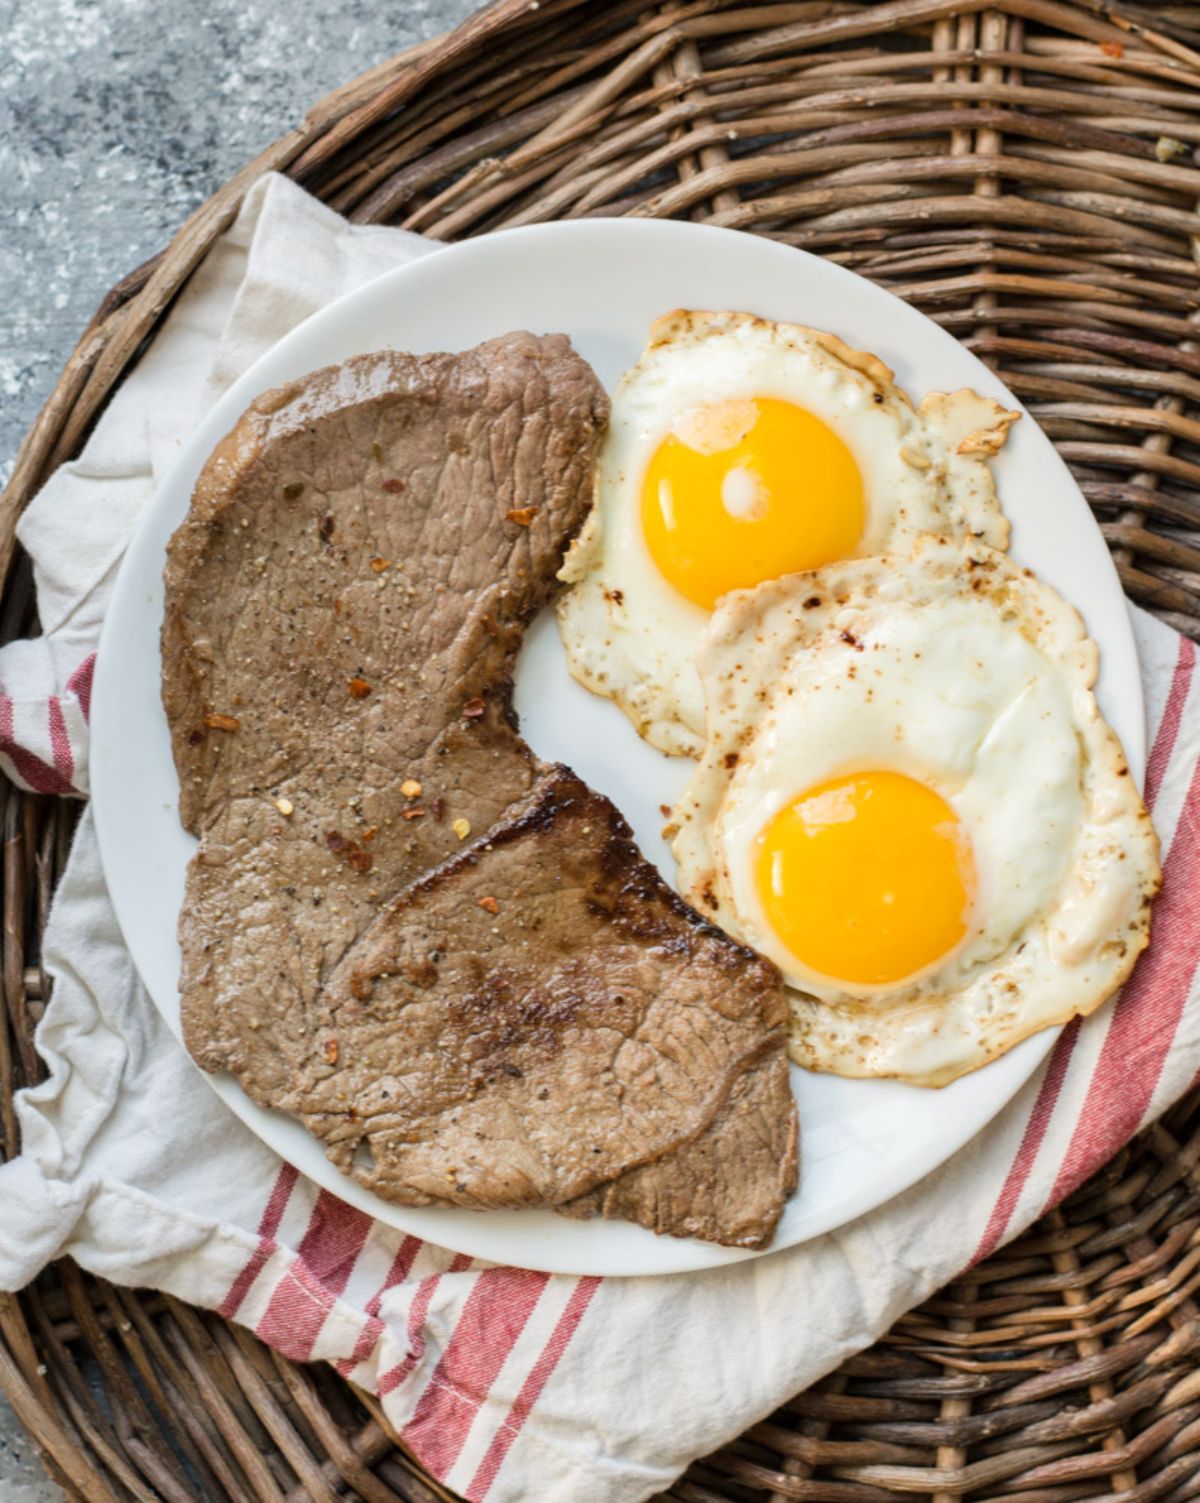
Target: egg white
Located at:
point(627, 632)
point(955, 666)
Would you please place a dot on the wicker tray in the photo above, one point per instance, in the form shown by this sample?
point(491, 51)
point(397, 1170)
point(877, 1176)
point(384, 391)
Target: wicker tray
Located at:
point(1026, 174)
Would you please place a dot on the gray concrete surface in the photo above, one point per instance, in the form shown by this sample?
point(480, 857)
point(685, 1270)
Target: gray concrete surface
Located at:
point(118, 117)
point(22, 1477)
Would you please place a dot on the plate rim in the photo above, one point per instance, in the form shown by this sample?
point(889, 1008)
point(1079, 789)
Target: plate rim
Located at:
point(692, 1255)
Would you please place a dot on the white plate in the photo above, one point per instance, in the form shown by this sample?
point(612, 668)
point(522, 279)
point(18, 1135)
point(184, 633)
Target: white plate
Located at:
point(601, 282)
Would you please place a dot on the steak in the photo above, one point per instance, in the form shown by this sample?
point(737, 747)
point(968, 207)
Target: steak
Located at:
point(729, 1184)
point(443, 956)
point(591, 1022)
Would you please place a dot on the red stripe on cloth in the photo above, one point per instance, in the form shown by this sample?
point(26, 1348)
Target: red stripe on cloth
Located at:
point(60, 742)
point(281, 1192)
point(1031, 1141)
point(401, 1263)
point(39, 775)
point(374, 1329)
point(242, 1285)
point(539, 1376)
point(297, 1311)
point(334, 1239)
point(319, 1273)
point(417, 1311)
point(277, 1204)
point(1147, 1013)
point(492, 1319)
point(80, 684)
point(1168, 729)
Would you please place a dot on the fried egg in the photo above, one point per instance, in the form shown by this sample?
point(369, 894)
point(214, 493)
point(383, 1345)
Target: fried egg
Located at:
point(910, 802)
point(738, 451)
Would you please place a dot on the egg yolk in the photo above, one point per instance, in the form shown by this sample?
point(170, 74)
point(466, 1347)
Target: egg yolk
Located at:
point(867, 878)
point(747, 490)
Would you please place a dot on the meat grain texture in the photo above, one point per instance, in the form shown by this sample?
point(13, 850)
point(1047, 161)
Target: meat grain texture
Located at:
point(444, 956)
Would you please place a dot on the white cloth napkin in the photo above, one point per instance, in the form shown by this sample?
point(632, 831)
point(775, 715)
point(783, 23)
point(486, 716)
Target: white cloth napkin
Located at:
point(509, 1385)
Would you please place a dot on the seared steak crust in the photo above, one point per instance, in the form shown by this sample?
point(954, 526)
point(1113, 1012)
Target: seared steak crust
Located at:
point(590, 1023)
point(344, 603)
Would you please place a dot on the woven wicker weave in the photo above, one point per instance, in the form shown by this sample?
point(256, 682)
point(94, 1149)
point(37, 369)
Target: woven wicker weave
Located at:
point(1026, 174)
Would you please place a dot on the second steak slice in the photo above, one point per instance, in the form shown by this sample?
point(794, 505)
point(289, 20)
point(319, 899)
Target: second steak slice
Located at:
point(443, 956)
point(541, 1013)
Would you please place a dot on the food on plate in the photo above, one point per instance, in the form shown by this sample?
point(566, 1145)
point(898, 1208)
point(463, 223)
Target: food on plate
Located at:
point(910, 802)
point(513, 1015)
point(443, 956)
point(738, 451)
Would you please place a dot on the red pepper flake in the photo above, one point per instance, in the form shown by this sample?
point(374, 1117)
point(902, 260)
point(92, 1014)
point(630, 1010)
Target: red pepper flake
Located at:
point(381, 564)
point(473, 709)
point(361, 986)
point(664, 810)
point(1112, 49)
point(370, 833)
point(332, 1050)
point(414, 813)
point(337, 607)
point(325, 527)
point(521, 515)
point(439, 808)
point(196, 737)
point(490, 904)
point(359, 688)
point(350, 851)
point(393, 487)
point(222, 722)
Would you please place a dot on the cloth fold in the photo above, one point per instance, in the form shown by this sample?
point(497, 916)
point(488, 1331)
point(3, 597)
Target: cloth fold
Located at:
point(508, 1384)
